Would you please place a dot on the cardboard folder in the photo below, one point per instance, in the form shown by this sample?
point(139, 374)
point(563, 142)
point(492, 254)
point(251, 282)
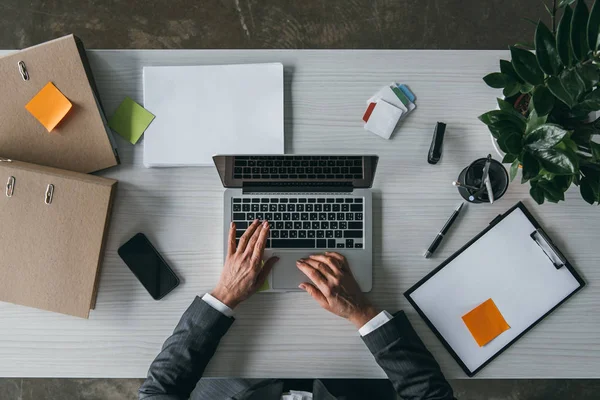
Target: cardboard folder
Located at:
point(81, 141)
point(54, 226)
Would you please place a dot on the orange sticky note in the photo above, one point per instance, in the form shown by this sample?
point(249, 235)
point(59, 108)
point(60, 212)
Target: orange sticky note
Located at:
point(485, 322)
point(49, 106)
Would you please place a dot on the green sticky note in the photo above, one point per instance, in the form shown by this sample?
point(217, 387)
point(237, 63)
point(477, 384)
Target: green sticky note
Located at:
point(265, 285)
point(401, 96)
point(130, 120)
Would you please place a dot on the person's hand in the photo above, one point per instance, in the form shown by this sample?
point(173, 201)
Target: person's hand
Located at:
point(244, 272)
point(335, 289)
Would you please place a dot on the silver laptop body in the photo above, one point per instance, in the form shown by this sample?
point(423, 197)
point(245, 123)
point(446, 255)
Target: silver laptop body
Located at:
point(314, 204)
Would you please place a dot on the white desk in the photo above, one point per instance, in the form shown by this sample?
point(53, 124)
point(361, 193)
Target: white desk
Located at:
point(289, 335)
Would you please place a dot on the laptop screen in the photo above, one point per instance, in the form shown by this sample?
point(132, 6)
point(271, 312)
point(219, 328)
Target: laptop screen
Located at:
point(346, 170)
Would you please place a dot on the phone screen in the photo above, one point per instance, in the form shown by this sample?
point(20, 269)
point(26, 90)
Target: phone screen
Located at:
point(148, 266)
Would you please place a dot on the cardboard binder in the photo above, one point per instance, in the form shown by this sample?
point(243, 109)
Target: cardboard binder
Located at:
point(82, 141)
point(54, 225)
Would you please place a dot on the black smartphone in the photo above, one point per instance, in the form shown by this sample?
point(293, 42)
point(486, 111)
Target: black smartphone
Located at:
point(148, 266)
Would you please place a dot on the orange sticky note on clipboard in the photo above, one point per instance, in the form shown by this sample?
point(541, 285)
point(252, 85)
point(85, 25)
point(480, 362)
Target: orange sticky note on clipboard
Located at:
point(485, 322)
point(49, 106)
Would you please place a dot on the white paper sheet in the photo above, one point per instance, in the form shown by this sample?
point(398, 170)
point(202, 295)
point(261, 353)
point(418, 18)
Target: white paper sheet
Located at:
point(212, 109)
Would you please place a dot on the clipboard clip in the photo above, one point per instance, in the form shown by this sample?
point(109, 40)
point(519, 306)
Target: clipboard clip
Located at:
point(542, 240)
point(49, 194)
point(10, 186)
point(23, 70)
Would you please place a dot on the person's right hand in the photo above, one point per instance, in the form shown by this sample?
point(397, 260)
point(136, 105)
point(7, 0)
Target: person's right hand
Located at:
point(335, 288)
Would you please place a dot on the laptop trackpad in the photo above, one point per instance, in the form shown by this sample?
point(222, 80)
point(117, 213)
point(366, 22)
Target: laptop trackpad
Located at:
point(286, 276)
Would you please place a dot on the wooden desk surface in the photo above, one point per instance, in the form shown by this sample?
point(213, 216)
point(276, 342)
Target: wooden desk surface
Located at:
point(289, 335)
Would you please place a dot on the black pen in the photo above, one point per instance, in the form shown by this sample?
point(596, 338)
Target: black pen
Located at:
point(440, 236)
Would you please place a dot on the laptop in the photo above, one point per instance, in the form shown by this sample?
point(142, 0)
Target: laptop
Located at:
point(313, 203)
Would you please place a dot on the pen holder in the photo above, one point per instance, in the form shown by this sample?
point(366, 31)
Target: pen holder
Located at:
point(473, 176)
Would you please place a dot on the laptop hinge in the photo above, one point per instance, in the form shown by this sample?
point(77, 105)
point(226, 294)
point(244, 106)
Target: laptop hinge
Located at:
point(297, 187)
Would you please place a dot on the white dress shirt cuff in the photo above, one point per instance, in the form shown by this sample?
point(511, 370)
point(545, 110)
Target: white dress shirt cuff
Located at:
point(217, 305)
point(375, 323)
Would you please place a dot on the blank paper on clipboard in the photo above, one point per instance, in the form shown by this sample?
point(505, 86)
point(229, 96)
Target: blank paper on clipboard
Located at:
point(508, 263)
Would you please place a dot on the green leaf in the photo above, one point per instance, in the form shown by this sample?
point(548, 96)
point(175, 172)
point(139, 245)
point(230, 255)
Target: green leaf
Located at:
point(559, 91)
point(536, 193)
point(494, 116)
point(544, 137)
point(579, 37)
point(514, 168)
point(526, 66)
point(551, 192)
point(509, 108)
point(557, 161)
point(513, 143)
point(564, 3)
point(526, 46)
point(595, 147)
point(563, 38)
point(545, 50)
point(534, 121)
point(572, 83)
point(497, 80)
point(543, 100)
point(563, 182)
point(511, 89)
point(505, 105)
point(531, 167)
point(591, 102)
point(526, 88)
point(509, 158)
point(507, 68)
point(587, 191)
point(582, 134)
point(570, 144)
point(503, 128)
point(589, 74)
point(593, 27)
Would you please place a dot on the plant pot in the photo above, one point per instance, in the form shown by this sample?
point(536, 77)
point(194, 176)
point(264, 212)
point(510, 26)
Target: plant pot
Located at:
point(473, 175)
point(496, 147)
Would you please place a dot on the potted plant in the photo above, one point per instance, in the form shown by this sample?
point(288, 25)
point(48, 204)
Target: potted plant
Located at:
point(544, 123)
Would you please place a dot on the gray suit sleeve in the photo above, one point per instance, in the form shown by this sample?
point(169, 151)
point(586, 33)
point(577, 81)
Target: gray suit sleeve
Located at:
point(406, 361)
point(175, 372)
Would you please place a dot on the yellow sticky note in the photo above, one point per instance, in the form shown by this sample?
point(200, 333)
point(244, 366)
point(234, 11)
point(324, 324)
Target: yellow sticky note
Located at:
point(485, 322)
point(49, 106)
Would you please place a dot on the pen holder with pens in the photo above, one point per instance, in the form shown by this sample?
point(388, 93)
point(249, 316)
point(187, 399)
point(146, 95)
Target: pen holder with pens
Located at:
point(472, 185)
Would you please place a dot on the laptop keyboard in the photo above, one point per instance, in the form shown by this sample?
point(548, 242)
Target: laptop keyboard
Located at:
point(298, 167)
point(304, 222)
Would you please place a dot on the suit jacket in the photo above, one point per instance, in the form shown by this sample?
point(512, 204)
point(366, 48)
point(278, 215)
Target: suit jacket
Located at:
point(395, 345)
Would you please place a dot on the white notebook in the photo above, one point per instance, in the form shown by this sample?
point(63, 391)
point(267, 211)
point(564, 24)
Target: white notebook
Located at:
point(505, 264)
point(212, 109)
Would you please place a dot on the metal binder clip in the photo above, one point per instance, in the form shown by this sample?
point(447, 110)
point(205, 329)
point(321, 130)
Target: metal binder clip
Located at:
point(542, 240)
point(49, 193)
point(23, 70)
point(10, 186)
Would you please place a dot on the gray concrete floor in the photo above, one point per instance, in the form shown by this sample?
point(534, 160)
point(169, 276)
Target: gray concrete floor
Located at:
point(379, 24)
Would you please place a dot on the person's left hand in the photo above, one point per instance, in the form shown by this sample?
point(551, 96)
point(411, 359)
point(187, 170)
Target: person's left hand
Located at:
point(244, 272)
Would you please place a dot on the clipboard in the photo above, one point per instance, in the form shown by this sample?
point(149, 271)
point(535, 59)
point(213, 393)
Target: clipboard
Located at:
point(525, 274)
